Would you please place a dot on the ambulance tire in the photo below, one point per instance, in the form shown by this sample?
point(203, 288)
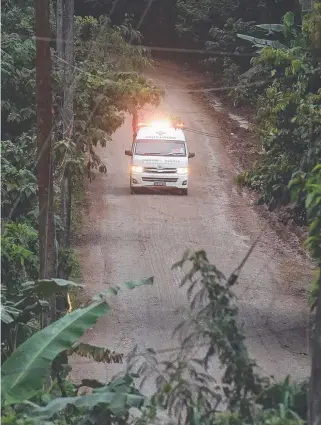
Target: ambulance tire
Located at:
point(184, 192)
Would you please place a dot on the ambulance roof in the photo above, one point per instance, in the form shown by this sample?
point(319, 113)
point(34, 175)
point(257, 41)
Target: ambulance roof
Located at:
point(160, 134)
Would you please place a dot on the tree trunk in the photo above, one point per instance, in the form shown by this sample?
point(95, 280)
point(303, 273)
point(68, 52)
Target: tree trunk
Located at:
point(315, 380)
point(44, 154)
point(135, 123)
point(68, 112)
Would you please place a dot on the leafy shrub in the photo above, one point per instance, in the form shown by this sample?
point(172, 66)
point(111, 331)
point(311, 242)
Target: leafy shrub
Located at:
point(19, 254)
point(288, 121)
point(185, 391)
point(19, 184)
point(46, 349)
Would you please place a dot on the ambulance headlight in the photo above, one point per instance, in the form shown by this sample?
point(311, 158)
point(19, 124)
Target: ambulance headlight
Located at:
point(137, 169)
point(182, 170)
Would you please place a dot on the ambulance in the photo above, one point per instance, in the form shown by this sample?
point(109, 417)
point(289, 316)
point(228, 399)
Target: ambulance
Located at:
point(159, 157)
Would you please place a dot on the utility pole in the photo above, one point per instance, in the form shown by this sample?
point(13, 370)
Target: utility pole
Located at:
point(44, 149)
point(65, 55)
point(68, 115)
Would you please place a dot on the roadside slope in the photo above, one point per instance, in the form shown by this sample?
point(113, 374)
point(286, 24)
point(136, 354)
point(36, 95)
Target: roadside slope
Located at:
point(133, 236)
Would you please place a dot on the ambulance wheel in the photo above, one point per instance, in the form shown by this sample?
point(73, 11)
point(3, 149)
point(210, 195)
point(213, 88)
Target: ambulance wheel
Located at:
point(185, 192)
point(132, 190)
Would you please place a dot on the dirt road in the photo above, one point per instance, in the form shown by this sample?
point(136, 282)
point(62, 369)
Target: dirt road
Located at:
point(132, 236)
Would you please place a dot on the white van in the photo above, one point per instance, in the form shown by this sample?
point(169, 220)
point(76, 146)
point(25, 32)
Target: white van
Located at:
point(159, 158)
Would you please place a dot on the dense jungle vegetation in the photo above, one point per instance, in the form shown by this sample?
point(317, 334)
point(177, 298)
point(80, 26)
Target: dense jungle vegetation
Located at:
point(264, 54)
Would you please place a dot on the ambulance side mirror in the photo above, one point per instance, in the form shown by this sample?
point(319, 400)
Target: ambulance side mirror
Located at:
point(191, 155)
point(128, 153)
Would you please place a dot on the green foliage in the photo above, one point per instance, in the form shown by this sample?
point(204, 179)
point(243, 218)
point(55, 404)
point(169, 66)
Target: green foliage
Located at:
point(225, 48)
point(22, 307)
point(47, 287)
point(220, 28)
point(68, 260)
point(107, 85)
point(19, 185)
point(114, 401)
point(196, 17)
point(24, 372)
point(99, 41)
point(98, 354)
point(212, 325)
point(259, 42)
point(19, 260)
point(18, 70)
point(19, 206)
point(288, 120)
point(219, 313)
point(68, 156)
point(287, 395)
point(311, 27)
point(308, 187)
point(186, 391)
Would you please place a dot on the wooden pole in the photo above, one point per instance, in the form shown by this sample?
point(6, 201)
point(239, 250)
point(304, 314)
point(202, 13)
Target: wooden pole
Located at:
point(44, 152)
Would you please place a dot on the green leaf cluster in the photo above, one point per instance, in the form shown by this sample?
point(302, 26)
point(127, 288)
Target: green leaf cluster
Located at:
point(288, 120)
point(24, 372)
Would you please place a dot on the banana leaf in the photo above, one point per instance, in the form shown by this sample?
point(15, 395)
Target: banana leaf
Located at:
point(118, 396)
point(260, 42)
point(272, 27)
point(99, 354)
point(127, 285)
point(8, 313)
point(47, 287)
point(24, 372)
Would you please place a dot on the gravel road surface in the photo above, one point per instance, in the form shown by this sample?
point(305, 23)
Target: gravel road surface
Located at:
point(128, 237)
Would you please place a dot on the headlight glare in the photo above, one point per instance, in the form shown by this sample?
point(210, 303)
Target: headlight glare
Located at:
point(137, 169)
point(182, 170)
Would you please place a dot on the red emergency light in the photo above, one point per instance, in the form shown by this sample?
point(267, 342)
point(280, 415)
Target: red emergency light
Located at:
point(161, 124)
